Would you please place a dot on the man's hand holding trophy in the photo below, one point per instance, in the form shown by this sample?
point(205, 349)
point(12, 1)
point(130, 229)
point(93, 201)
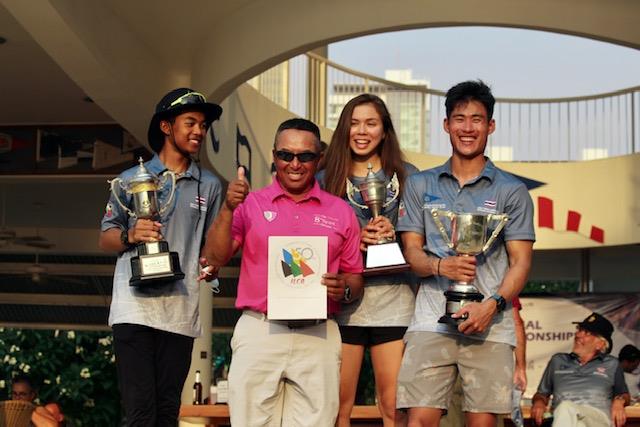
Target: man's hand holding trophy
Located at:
point(154, 263)
point(468, 238)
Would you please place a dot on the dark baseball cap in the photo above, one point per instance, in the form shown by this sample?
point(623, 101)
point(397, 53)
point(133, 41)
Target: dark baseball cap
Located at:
point(598, 325)
point(175, 103)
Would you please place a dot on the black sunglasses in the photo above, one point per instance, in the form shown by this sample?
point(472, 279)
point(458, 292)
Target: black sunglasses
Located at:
point(288, 156)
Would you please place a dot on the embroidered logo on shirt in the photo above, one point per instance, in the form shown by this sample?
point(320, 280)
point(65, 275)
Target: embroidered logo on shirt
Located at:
point(325, 221)
point(269, 215)
point(108, 210)
point(428, 198)
point(200, 203)
point(490, 203)
point(401, 209)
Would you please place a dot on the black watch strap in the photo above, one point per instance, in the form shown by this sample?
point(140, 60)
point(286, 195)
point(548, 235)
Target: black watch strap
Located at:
point(501, 303)
point(124, 238)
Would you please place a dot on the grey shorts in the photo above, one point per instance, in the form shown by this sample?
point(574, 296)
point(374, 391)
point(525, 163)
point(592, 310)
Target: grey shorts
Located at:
point(432, 361)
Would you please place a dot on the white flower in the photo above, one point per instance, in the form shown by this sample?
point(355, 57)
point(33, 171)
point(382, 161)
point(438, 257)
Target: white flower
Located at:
point(79, 349)
point(47, 381)
point(105, 341)
point(56, 333)
point(84, 373)
point(106, 352)
point(6, 358)
point(1, 383)
point(26, 369)
point(71, 335)
point(58, 379)
point(14, 348)
point(113, 358)
point(12, 361)
point(89, 403)
point(39, 355)
point(1, 329)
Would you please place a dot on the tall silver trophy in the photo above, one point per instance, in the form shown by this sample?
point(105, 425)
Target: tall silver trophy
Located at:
point(468, 238)
point(154, 262)
point(385, 257)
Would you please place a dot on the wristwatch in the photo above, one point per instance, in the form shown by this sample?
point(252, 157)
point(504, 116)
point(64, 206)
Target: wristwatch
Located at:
point(124, 238)
point(501, 304)
point(347, 294)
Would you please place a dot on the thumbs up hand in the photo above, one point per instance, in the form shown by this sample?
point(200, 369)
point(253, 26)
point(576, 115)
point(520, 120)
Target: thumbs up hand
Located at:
point(237, 190)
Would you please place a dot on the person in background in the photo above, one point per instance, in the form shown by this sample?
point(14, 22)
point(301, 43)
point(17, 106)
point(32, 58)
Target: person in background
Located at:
point(154, 326)
point(365, 135)
point(587, 384)
point(286, 372)
point(629, 358)
point(22, 389)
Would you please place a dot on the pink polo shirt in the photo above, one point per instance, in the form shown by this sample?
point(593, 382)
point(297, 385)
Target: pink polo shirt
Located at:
point(271, 212)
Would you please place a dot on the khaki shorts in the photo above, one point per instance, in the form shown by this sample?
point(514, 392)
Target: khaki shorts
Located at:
point(432, 361)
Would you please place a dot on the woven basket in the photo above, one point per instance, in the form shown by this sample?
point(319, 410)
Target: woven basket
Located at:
point(15, 413)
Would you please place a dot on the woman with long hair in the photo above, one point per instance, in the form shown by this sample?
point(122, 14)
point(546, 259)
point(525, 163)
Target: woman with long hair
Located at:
point(365, 137)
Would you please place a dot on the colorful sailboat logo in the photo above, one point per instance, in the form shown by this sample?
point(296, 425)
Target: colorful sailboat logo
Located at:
point(294, 265)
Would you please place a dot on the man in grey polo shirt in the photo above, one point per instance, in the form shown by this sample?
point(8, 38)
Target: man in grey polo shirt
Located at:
point(480, 349)
point(154, 325)
point(587, 384)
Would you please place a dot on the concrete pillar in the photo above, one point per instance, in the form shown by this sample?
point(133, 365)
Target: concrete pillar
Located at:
point(317, 88)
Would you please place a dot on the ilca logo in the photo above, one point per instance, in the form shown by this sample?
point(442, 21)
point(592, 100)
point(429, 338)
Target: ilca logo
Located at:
point(296, 266)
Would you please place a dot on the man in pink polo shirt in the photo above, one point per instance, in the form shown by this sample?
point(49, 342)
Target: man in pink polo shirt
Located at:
point(286, 373)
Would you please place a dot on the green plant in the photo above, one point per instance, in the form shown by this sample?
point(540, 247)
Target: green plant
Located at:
point(75, 369)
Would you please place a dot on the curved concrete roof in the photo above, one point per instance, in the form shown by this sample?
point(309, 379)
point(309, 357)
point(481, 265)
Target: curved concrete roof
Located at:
point(125, 54)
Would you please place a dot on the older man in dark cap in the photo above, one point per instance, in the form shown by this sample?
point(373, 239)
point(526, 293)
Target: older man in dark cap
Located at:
point(154, 323)
point(587, 384)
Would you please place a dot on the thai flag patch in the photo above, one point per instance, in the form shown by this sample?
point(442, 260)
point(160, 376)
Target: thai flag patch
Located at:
point(490, 204)
point(200, 203)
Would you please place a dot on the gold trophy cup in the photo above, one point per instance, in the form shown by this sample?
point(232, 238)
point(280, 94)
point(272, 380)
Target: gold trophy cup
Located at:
point(385, 257)
point(154, 262)
point(468, 238)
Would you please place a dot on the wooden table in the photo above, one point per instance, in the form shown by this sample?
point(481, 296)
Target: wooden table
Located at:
point(218, 415)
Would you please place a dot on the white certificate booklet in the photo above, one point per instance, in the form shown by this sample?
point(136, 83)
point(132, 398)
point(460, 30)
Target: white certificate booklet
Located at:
point(296, 266)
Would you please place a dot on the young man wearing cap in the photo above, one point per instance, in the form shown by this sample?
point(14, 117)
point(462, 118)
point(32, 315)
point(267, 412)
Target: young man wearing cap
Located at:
point(154, 325)
point(587, 384)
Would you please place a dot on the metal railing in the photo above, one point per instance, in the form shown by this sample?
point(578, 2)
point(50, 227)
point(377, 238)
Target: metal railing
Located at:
point(543, 129)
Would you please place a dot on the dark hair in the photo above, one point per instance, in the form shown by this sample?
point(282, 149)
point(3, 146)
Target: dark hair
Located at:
point(23, 379)
point(299, 124)
point(470, 91)
point(338, 158)
point(629, 352)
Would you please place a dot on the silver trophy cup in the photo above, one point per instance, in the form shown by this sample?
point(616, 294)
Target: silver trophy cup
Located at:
point(468, 238)
point(386, 256)
point(154, 262)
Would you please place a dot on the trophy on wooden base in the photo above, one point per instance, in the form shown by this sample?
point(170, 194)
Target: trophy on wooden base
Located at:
point(385, 257)
point(154, 262)
point(468, 238)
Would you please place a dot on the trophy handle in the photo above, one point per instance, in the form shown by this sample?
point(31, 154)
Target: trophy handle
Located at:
point(503, 218)
point(350, 190)
point(394, 185)
point(165, 176)
point(117, 182)
point(436, 213)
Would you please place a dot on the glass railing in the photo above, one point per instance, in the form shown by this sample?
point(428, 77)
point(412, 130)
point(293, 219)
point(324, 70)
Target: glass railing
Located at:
point(539, 129)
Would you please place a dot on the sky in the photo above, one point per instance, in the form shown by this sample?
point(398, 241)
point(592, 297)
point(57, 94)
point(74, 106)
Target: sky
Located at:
point(514, 62)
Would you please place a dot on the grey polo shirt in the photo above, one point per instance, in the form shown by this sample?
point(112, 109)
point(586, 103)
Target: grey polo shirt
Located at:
point(593, 384)
point(388, 299)
point(493, 191)
point(171, 307)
